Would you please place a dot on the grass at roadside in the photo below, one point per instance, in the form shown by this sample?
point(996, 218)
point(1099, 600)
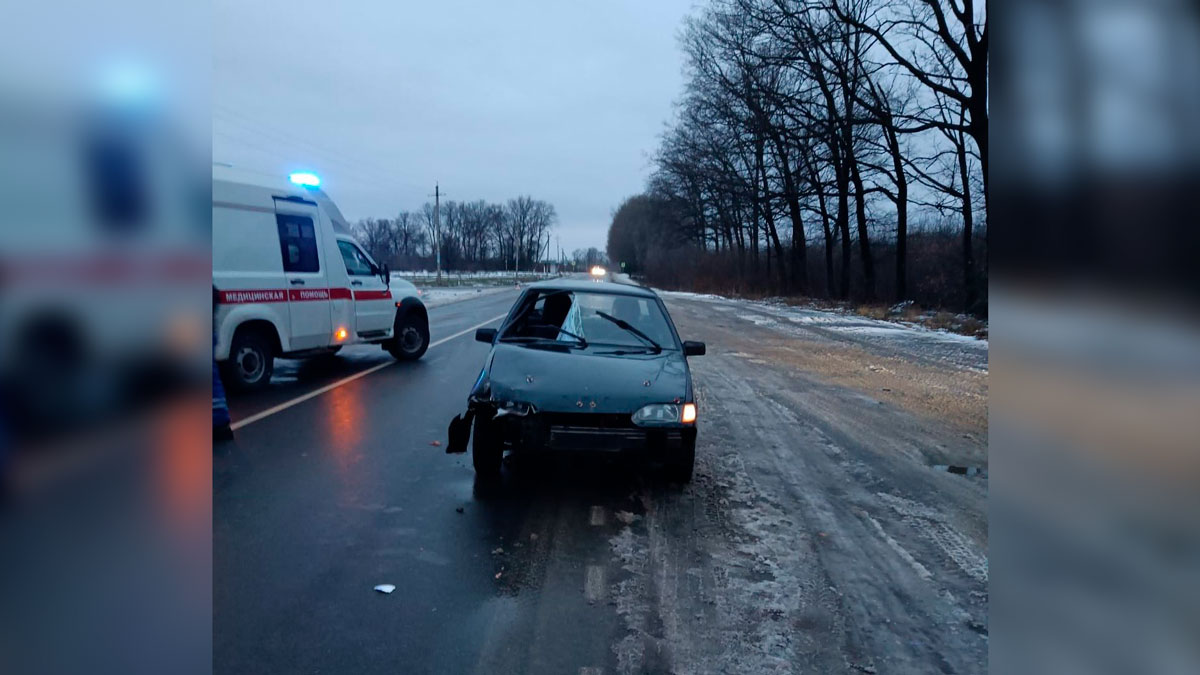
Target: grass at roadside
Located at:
point(910, 312)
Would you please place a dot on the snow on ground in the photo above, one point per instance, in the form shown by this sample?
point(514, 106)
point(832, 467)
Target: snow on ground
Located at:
point(827, 319)
point(434, 297)
point(907, 340)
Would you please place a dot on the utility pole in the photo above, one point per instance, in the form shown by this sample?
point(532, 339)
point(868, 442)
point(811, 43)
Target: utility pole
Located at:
point(437, 229)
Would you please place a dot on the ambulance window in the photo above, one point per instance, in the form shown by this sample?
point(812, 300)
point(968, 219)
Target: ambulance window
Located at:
point(297, 243)
point(357, 264)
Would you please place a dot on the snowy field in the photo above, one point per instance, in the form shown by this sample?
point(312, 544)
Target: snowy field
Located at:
point(457, 286)
point(773, 311)
point(909, 339)
point(423, 278)
point(434, 297)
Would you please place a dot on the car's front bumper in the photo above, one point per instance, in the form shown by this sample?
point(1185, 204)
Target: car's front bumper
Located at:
point(587, 432)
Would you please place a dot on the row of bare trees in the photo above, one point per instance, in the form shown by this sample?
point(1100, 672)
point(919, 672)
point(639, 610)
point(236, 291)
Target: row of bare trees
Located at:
point(472, 235)
point(820, 143)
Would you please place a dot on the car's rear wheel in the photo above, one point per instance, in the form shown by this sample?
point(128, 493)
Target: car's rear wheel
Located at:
point(411, 338)
point(683, 462)
point(487, 450)
point(251, 361)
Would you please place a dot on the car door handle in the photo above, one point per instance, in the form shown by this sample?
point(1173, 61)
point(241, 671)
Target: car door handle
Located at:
point(356, 283)
point(297, 282)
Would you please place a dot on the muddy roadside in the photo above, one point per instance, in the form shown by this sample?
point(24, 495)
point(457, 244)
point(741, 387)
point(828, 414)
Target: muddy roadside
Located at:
point(822, 531)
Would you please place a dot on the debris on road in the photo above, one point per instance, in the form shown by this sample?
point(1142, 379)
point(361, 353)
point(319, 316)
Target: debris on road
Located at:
point(436, 444)
point(498, 575)
point(458, 510)
point(385, 588)
point(497, 551)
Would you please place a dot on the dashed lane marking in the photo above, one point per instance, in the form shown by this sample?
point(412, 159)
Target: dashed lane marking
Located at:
point(593, 586)
point(597, 517)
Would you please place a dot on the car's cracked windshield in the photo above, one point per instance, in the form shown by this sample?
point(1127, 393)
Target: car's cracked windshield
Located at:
point(602, 320)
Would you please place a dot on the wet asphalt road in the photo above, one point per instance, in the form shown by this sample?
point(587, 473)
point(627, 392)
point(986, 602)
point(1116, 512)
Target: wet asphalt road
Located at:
point(817, 536)
point(317, 504)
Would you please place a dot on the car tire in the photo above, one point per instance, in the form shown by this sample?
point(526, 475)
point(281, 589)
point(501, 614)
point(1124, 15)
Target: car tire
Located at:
point(411, 338)
point(487, 452)
point(251, 361)
point(683, 463)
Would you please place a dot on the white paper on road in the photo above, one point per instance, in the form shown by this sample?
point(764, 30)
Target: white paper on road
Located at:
point(385, 588)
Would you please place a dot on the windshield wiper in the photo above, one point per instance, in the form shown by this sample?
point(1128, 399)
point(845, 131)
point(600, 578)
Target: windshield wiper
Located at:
point(625, 325)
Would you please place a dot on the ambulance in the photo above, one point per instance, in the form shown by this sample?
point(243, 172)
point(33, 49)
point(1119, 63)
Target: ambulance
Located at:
point(289, 281)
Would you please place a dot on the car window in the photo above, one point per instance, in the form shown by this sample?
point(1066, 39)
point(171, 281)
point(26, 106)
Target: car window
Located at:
point(643, 314)
point(357, 264)
point(580, 313)
point(531, 319)
point(298, 243)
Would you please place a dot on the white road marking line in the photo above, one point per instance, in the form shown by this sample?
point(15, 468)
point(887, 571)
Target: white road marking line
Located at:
point(345, 380)
point(597, 515)
point(593, 586)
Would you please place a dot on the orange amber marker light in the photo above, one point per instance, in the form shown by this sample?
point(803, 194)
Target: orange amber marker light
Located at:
point(340, 334)
point(689, 413)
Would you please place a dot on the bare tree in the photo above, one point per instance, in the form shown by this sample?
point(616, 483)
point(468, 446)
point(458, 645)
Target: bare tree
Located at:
point(798, 111)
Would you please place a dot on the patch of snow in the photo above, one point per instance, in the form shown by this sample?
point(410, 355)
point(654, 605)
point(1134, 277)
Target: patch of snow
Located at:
point(435, 297)
point(758, 319)
point(832, 319)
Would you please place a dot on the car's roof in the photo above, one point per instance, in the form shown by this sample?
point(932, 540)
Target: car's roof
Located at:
point(591, 286)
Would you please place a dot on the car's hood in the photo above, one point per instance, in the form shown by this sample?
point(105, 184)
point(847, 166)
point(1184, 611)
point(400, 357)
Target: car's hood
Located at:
point(572, 381)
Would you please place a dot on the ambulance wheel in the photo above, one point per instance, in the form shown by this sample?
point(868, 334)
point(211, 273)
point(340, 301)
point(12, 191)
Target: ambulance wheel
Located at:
point(411, 338)
point(251, 361)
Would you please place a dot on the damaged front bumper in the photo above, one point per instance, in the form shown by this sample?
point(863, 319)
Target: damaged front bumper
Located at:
point(521, 426)
point(460, 426)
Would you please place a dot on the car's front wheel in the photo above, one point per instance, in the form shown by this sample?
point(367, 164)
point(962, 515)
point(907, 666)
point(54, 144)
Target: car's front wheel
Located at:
point(487, 450)
point(411, 337)
point(683, 462)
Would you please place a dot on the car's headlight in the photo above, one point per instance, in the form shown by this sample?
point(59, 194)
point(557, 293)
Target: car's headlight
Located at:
point(665, 413)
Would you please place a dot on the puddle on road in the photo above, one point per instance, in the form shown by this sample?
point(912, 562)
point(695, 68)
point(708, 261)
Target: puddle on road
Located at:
point(959, 470)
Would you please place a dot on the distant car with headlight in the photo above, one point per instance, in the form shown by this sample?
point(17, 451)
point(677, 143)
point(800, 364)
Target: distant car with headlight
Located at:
point(598, 271)
point(580, 366)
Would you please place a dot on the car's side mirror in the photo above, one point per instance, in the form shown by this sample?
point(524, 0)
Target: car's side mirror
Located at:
point(487, 335)
point(692, 348)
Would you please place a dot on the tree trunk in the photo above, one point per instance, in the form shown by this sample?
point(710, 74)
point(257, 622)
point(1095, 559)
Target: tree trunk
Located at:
point(843, 224)
point(968, 252)
point(772, 232)
point(864, 239)
point(815, 180)
point(799, 259)
point(901, 214)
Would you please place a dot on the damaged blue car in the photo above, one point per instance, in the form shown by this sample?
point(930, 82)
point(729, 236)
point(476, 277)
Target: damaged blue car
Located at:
point(583, 366)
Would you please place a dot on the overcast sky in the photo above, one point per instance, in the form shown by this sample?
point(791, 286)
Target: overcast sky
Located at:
point(563, 101)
